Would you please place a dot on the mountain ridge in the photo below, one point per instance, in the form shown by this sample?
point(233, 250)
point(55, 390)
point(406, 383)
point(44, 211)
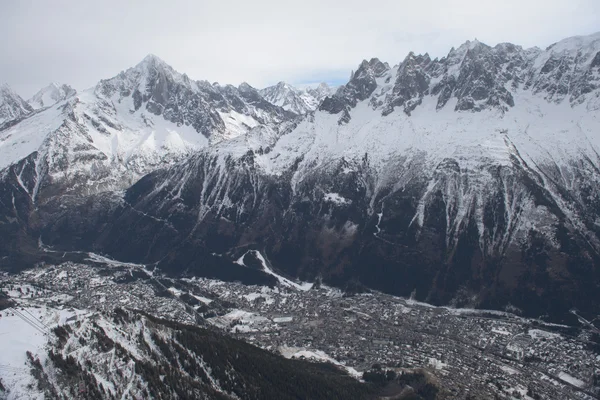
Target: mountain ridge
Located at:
point(469, 180)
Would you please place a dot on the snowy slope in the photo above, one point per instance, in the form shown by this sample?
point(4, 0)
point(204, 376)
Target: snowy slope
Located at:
point(79, 142)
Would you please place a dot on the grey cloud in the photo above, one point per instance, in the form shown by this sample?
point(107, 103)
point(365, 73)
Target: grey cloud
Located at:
point(261, 41)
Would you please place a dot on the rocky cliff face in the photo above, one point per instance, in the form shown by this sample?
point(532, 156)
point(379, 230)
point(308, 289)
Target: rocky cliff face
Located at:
point(470, 180)
point(479, 77)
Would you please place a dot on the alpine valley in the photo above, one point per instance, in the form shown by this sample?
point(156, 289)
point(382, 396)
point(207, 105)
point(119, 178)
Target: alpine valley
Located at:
point(466, 182)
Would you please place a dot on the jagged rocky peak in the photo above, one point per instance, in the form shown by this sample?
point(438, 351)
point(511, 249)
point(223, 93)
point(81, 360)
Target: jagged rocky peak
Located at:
point(361, 86)
point(12, 107)
point(154, 86)
point(476, 77)
point(50, 95)
point(480, 83)
point(374, 67)
point(152, 78)
point(248, 90)
point(412, 83)
point(364, 81)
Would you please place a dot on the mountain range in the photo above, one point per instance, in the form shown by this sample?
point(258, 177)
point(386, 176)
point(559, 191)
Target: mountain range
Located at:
point(470, 180)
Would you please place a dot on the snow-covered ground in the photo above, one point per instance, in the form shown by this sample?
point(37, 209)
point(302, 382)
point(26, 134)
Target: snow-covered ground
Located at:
point(570, 379)
point(304, 286)
point(316, 355)
point(239, 321)
point(336, 198)
point(22, 330)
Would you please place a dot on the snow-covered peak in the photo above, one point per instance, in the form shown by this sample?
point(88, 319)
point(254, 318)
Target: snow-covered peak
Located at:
point(575, 43)
point(153, 66)
point(455, 57)
point(152, 59)
point(584, 50)
point(471, 45)
point(150, 74)
point(293, 99)
point(51, 94)
point(12, 106)
point(284, 86)
point(478, 77)
point(154, 86)
point(372, 68)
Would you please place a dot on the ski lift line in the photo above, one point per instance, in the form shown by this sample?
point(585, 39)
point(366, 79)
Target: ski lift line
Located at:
point(37, 319)
point(31, 317)
point(15, 312)
point(6, 367)
point(28, 322)
point(33, 326)
point(34, 321)
point(10, 366)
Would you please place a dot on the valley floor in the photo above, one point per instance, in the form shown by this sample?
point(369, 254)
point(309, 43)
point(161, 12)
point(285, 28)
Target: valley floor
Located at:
point(468, 352)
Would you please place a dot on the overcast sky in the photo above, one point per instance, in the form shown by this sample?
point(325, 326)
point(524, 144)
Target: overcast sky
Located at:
point(261, 41)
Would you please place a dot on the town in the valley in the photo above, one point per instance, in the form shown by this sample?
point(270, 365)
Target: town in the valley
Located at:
point(471, 353)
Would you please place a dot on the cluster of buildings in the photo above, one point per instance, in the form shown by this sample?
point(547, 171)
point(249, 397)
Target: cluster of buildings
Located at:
point(470, 352)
